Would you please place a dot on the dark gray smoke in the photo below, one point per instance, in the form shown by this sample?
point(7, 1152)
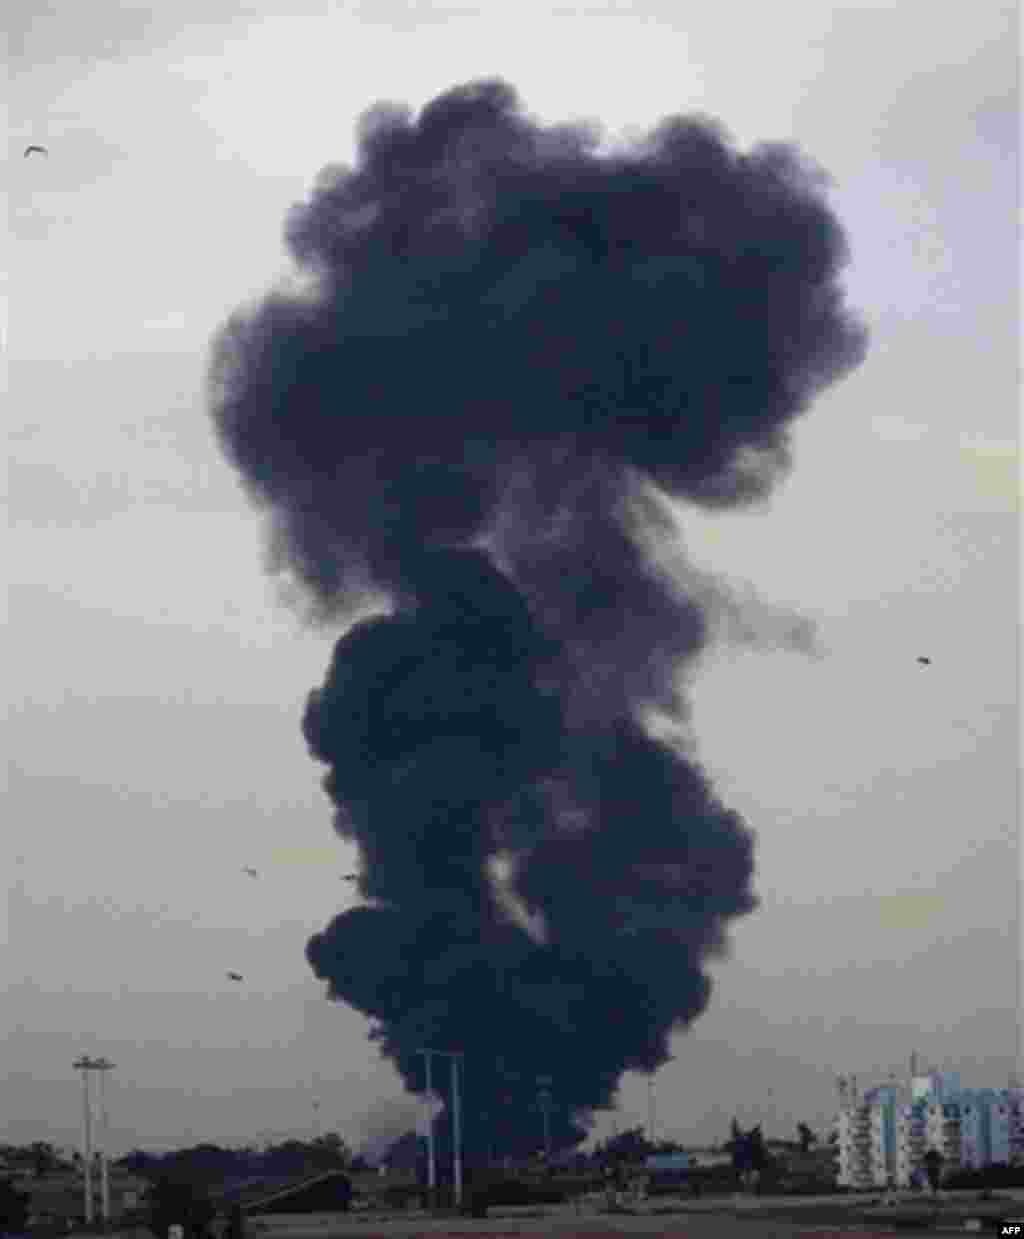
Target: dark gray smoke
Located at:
point(513, 343)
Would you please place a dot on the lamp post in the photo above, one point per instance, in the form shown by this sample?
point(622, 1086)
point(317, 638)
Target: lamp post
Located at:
point(454, 1056)
point(85, 1064)
point(456, 1129)
point(544, 1100)
point(431, 1170)
point(102, 1065)
point(650, 1109)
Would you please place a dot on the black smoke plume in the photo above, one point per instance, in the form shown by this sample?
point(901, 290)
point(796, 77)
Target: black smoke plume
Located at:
point(511, 344)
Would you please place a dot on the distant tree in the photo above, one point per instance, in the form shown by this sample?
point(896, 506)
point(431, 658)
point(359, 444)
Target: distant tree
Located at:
point(330, 1152)
point(175, 1200)
point(168, 1203)
point(201, 1216)
point(38, 1158)
point(404, 1153)
point(749, 1153)
point(737, 1147)
point(298, 1156)
point(44, 1158)
point(14, 1207)
point(203, 1164)
point(933, 1160)
point(628, 1146)
point(807, 1137)
point(136, 1162)
point(236, 1223)
point(758, 1154)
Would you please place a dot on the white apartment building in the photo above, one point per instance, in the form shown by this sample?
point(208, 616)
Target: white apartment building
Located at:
point(884, 1138)
point(855, 1139)
point(911, 1142)
point(943, 1133)
point(867, 1140)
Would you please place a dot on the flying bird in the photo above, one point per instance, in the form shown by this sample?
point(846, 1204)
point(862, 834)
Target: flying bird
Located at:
point(350, 877)
point(925, 662)
point(29, 149)
point(235, 976)
point(251, 872)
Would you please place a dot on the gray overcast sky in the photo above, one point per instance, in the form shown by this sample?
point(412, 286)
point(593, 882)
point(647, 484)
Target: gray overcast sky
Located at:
point(156, 682)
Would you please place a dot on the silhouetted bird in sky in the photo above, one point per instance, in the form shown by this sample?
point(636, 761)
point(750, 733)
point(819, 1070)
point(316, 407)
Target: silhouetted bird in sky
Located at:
point(29, 149)
point(925, 662)
point(251, 872)
point(235, 976)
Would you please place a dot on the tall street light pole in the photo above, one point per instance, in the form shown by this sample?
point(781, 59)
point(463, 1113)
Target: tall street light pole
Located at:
point(456, 1122)
point(544, 1098)
point(83, 1064)
point(103, 1065)
point(431, 1170)
point(650, 1109)
point(457, 1128)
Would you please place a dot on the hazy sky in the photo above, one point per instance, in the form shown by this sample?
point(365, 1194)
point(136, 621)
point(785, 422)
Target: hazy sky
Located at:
point(156, 681)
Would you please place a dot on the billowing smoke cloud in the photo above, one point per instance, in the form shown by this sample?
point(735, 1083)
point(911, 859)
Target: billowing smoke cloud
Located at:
point(512, 343)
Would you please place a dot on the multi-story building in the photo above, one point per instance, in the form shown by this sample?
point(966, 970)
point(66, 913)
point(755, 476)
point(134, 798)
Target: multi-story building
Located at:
point(867, 1138)
point(936, 1086)
point(883, 1139)
point(986, 1128)
point(974, 1131)
point(943, 1133)
point(855, 1141)
point(1000, 1148)
point(884, 1103)
point(1015, 1104)
point(911, 1142)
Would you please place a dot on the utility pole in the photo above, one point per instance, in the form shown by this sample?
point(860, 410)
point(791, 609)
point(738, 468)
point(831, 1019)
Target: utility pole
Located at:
point(456, 1122)
point(103, 1066)
point(85, 1064)
point(457, 1129)
point(431, 1171)
point(650, 1109)
point(544, 1099)
point(497, 1128)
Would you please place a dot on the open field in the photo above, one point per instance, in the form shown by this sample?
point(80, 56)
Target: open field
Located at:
point(768, 1218)
point(704, 1227)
